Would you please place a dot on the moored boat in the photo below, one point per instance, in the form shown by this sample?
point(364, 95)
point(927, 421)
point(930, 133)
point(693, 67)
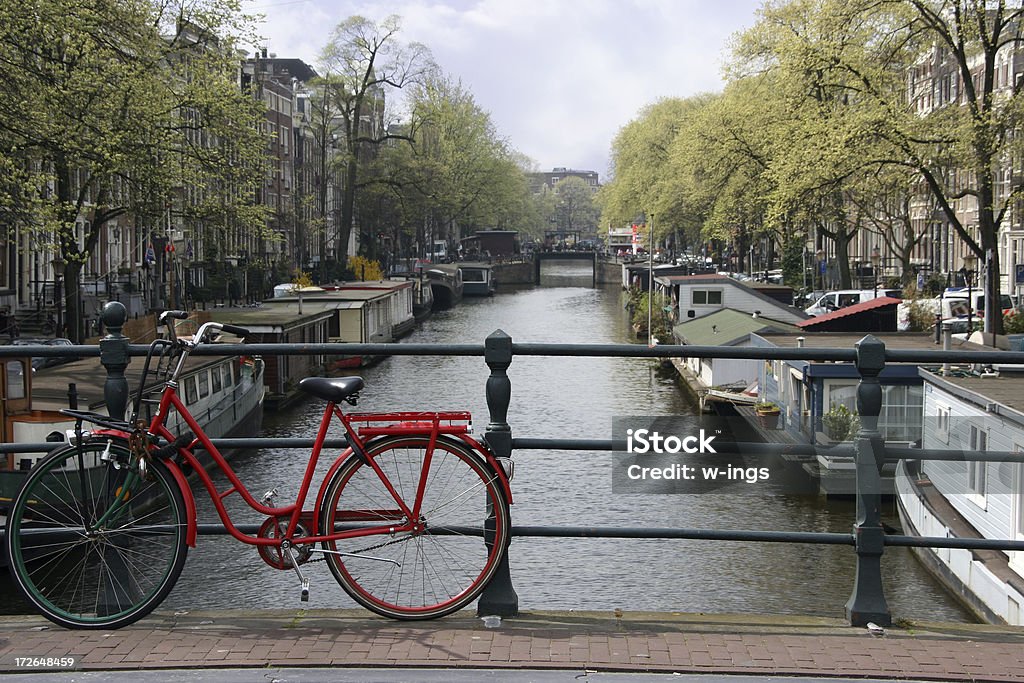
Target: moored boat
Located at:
point(224, 394)
point(477, 279)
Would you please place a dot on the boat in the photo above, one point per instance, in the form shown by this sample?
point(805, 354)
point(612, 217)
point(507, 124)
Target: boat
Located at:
point(477, 279)
point(224, 394)
point(445, 284)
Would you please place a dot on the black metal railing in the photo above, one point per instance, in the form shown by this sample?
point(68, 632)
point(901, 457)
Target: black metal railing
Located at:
point(867, 602)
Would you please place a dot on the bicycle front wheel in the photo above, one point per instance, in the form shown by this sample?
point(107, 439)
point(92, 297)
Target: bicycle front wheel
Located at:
point(94, 545)
point(459, 538)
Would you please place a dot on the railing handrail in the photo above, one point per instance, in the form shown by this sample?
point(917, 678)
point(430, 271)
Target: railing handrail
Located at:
point(922, 356)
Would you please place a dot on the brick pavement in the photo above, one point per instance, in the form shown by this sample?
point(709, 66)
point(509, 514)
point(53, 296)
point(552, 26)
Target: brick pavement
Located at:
point(601, 641)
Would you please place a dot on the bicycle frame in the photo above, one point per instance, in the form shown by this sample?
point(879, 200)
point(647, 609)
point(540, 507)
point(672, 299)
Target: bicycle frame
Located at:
point(398, 424)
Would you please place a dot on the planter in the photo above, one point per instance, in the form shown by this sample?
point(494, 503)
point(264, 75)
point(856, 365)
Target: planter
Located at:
point(768, 417)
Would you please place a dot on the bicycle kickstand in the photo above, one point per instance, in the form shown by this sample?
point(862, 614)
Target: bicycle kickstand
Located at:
point(303, 581)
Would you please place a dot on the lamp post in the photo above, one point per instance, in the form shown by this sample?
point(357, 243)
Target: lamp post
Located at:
point(876, 260)
point(968, 272)
point(58, 273)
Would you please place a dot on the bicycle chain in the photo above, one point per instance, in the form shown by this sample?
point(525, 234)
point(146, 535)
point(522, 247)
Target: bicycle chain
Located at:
point(363, 550)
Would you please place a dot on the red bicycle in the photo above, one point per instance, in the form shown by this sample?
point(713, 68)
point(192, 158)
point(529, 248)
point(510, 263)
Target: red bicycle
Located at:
point(412, 518)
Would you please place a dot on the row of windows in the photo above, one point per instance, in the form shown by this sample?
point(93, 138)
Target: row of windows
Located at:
point(198, 386)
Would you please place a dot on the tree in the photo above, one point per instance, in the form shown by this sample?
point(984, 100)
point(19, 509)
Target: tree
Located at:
point(574, 207)
point(362, 61)
point(982, 134)
point(463, 172)
point(130, 102)
point(643, 182)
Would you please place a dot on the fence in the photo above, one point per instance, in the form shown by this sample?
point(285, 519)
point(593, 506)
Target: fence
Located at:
point(867, 601)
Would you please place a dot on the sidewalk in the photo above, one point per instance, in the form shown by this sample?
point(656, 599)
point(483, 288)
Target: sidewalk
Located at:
point(597, 641)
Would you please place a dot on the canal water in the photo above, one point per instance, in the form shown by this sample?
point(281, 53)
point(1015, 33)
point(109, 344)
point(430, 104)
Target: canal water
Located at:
point(574, 398)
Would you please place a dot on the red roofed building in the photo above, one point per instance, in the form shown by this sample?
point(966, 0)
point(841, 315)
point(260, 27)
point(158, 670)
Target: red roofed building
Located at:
point(877, 315)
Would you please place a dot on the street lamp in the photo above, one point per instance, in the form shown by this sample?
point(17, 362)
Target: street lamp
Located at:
point(58, 273)
point(967, 271)
point(876, 260)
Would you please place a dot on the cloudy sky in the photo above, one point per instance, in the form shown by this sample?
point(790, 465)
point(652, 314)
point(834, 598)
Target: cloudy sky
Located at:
point(558, 77)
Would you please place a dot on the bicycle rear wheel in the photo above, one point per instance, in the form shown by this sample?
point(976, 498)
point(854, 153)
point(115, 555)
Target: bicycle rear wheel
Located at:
point(79, 569)
point(442, 566)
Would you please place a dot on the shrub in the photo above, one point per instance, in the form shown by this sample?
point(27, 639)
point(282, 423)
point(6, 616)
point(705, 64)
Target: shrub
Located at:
point(1013, 322)
point(840, 423)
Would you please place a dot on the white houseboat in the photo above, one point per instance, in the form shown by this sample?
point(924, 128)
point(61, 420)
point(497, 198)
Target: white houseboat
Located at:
point(971, 499)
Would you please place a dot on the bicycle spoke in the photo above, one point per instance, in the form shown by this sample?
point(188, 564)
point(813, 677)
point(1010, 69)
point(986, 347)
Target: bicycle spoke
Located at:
point(87, 550)
point(435, 573)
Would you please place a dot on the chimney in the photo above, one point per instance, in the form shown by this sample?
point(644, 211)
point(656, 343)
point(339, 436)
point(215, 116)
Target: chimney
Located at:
point(800, 342)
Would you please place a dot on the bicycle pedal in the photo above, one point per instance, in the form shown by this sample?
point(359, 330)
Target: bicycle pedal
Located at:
point(305, 591)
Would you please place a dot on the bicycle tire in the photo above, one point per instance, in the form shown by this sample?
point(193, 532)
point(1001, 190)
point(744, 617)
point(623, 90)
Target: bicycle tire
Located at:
point(443, 567)
point(119, 572)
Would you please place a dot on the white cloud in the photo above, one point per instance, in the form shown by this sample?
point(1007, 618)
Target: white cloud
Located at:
point(559, 77)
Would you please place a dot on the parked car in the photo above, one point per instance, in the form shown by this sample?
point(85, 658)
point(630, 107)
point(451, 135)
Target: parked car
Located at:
point(39, 362)
point(833, 301)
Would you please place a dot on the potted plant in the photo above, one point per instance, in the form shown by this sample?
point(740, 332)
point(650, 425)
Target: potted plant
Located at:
point(840, 423)
point(768, 414)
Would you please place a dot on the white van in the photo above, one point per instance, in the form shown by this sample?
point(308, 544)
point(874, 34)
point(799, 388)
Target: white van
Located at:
point(833, 301)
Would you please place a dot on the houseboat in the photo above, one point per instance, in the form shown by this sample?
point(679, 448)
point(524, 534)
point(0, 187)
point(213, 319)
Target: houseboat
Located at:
point(722, 380)
point(392, 302)
point(273, 324)
point(966, 498)
point(224, 394)
point(477, 279)
point(816, 397)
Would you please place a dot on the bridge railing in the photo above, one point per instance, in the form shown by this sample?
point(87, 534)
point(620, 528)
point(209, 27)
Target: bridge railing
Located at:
point(867, 602)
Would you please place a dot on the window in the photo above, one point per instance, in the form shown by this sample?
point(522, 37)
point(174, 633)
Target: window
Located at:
point(215, 376)
point(190, 390)
point(204, 384)
point(977, 471)
point(942, 424)
point(707, 297)
point(900, 417)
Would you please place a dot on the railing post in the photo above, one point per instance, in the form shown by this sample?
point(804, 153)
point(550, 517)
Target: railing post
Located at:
point(499, 598)
point(867, 602)
point(114, 357)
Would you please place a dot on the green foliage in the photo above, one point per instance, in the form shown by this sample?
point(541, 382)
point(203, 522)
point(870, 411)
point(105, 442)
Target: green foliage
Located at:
point(1013, 322)
point(840, 423)
point(661, 323)
point(793, 260)
point(118, 108)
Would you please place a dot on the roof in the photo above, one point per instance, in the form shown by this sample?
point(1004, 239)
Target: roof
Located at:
point(725, 327)
point(911, 341)
point(877, 303)
point(1006, 390)
point(363, 294)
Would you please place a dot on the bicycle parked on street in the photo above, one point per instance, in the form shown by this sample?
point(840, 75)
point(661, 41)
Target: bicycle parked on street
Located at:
point(412, 517)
